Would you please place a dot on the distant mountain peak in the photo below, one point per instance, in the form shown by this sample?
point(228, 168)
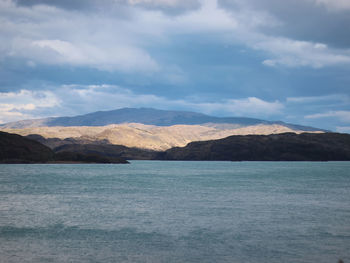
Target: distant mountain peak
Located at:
point(148, 116)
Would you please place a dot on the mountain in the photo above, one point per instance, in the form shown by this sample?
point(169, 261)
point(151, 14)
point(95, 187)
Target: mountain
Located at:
point(146, 116)
point(144, 128)
point(158, 138)
point(276, 147)
point(17, 149)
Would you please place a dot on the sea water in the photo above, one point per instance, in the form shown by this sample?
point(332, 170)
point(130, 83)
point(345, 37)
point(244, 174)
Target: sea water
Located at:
point(158, 211)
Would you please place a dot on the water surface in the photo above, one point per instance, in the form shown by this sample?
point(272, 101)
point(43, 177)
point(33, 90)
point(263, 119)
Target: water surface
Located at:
point(157, 211)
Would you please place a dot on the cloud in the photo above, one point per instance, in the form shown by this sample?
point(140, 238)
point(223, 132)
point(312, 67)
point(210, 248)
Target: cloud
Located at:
point(265, 26)
point(67, 4)
point(122, 58)
point(47, 35)
point(21, 105)
point(342, 115)
point(327, 111)
point(343, 129)
point(338, 98)
point(245, 26)
point(335, 5)
point(300, 53)
point(167, 6)
point(251, 106)
point(316, 21)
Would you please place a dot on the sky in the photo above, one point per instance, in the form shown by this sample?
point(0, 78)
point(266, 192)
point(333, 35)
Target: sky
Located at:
point(269, 59)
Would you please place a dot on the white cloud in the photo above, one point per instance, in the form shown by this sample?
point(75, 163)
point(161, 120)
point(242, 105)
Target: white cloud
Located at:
point(343, 129)
point(342, 98)
point(343, 116)
point(251, 106)
point(49, 35)
point(117, 7)
point(23, 104)
point(172, 3)
point(27, 97)
point(167, 4)
point(63, 49)
point(295, 53)
point(121, 58)
point(208, 18)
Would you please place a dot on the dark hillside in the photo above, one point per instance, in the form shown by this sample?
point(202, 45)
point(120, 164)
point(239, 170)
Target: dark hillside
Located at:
point(17, 149)
point(109, 151)
point(277, 147)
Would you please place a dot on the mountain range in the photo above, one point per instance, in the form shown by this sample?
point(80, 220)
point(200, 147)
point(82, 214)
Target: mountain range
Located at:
point(150, 134)
point(148, 116)
point(275, 147)
point(145, 128)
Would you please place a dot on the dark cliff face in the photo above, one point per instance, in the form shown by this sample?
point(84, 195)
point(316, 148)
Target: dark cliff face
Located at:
point(278, 147)
point(15, 148)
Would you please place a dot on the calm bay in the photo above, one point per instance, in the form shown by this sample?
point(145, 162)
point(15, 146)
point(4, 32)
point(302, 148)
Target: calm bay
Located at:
point(160, 211)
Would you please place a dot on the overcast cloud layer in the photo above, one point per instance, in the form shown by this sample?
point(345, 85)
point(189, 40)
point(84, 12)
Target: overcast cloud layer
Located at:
point(271, 59)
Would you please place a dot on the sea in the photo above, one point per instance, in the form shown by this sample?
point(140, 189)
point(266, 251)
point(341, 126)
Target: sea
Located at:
point(173, 211)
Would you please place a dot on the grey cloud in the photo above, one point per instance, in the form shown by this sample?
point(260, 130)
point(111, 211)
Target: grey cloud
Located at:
point(306, 20)
point(172, 7)
point(66, 4)
point(113, 7)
